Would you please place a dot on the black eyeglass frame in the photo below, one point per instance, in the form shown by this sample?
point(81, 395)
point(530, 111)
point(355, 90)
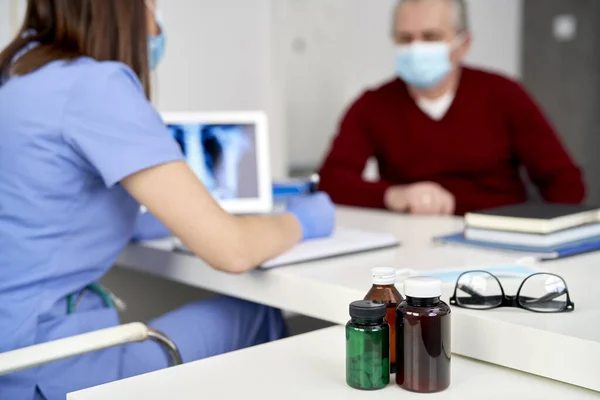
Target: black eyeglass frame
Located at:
point(513, 301)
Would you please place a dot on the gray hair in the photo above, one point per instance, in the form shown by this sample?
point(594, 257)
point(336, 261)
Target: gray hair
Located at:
point(461, 13)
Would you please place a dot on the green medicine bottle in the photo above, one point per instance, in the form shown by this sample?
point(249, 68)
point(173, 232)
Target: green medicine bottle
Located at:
point(367, 346)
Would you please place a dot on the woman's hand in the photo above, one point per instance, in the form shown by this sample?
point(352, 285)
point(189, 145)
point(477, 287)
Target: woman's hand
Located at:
point(316, 214)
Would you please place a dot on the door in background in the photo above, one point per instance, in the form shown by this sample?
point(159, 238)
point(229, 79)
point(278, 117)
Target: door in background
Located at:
point(561, 68)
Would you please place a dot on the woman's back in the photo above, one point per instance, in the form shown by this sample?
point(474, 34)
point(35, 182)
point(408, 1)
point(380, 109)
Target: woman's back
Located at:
point(70, 132)
point(53, 202)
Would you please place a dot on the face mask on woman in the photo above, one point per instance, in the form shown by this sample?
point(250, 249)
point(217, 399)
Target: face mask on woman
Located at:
point(156, 43)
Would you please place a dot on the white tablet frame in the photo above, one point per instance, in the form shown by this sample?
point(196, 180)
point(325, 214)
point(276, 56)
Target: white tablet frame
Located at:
point(264, 203)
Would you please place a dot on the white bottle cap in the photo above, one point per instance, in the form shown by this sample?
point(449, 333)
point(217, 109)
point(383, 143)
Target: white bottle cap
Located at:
point(384, 275)
point(423, 287)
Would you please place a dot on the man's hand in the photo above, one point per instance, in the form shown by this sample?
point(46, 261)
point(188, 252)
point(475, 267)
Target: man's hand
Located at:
point(425, 198)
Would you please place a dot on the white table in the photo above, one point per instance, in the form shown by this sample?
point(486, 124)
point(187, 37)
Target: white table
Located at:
point(564, 347)
point(312, 366)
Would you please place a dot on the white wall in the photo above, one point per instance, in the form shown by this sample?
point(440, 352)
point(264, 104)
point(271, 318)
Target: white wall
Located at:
point(5, 24)
point(11, 16)
point(219, 57)
point(498, 34)
point(346, 47)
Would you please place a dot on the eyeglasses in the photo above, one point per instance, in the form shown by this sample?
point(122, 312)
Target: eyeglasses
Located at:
point(541, 293)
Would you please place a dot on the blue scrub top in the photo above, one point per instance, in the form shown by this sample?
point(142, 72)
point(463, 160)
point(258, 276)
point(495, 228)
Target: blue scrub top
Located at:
point(69, 133)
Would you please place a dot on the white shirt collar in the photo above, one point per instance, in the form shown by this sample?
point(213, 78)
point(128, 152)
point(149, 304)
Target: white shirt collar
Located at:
point(436, 109)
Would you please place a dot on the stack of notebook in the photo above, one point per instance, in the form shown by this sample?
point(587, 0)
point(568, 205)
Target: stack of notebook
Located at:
point(545, 231)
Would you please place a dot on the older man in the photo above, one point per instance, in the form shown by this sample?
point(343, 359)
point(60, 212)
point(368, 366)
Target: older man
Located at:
point(447, 138)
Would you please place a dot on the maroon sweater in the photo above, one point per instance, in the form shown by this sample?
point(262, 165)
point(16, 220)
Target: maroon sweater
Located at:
point(476, 152)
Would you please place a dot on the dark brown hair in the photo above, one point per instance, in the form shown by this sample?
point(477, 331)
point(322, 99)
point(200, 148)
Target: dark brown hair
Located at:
point(106, 30)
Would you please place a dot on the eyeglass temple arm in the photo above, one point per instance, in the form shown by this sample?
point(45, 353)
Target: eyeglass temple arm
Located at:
point(469, 290)
point(545, 298)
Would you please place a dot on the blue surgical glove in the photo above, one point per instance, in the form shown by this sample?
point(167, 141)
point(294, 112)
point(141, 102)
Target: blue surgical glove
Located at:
point(316, 214)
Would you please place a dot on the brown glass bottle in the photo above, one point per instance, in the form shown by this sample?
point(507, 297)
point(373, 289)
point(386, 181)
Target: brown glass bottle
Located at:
point(423, 337)
point(384, 291)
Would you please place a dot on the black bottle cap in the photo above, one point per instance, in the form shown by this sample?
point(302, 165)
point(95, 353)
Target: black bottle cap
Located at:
point(367, 309)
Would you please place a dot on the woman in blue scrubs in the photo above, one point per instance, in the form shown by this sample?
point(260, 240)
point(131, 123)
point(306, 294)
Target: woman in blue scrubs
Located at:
point(81, 148)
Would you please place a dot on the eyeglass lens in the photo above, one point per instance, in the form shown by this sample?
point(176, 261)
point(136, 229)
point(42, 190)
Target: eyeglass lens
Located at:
point(543, 293)
point(478, 290)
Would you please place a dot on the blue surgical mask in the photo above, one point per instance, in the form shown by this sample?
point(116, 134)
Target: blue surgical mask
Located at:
point(423, 64)
point(157, 44)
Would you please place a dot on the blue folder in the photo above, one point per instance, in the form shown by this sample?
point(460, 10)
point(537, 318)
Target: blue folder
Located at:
point(542, 253)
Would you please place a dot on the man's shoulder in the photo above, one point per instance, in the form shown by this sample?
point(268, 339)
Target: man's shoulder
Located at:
point(383, 92)
point(391, 86)
point(501, 86)
point(489, 77)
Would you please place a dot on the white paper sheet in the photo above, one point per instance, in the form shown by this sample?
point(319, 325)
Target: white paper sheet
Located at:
point(344, 241)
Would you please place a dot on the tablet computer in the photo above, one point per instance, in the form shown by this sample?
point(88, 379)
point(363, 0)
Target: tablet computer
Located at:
point(229, 153)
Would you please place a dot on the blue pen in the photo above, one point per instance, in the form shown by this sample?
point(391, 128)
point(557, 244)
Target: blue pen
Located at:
point(296, 187)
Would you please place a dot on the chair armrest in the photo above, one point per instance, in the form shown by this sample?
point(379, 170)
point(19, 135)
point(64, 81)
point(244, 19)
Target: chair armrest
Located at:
point(33, 356)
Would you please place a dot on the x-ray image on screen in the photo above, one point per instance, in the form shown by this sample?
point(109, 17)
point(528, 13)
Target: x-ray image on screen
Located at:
point(222, 156)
